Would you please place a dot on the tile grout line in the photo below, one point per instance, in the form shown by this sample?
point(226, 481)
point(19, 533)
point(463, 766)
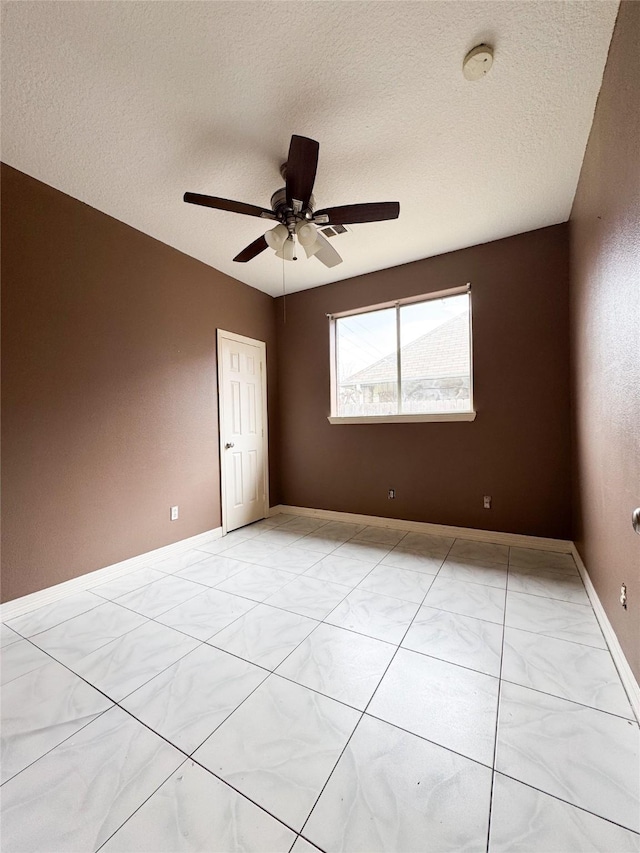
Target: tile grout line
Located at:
point(323, 620)
point(155, 620)
point(452, 662)
point(283, 609)
point(100, 602)
point(427, 740)
point(559, 639)
point(572, 701)
point(366, 706)
point(568, 802)
point(293, 519)
point(272, 672)
point(146, 800)
point(202, 766)
point(116, 703)
point(130, 631)
point(374, 566)
point(495, 736)
point(190, 756)
point(197, 639)
point(359, 633)
point(55, 746)
point(97, 689)
point(205, 587)
point(176, 574)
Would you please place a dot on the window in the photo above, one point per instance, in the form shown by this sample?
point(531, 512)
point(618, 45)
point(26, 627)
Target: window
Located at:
point(408, 360)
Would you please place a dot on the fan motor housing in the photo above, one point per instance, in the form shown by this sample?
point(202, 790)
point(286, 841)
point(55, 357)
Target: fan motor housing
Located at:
point(280, 207)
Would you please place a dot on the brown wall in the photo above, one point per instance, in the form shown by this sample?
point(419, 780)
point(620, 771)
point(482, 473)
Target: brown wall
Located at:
point(605, 315)
point(517, 449)
point(109, 412)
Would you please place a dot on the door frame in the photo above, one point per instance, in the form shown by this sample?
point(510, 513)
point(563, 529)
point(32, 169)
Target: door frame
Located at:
point(221, 335)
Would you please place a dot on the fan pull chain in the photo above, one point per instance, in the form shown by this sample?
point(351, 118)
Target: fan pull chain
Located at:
point(284, 297)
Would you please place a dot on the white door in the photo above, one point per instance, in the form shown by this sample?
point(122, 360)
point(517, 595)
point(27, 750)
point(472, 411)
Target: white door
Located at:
point(242, 392)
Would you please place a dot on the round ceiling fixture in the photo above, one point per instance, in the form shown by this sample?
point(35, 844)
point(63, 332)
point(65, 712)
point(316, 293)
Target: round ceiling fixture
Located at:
point(477, 62)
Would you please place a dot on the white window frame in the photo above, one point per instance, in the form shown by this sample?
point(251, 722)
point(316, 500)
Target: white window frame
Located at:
point(333, 418)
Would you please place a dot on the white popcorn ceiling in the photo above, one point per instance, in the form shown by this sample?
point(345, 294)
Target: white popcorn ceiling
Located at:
point(126, 106)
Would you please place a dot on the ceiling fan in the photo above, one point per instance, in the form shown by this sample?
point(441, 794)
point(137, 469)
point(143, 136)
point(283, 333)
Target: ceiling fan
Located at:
point(292, 207)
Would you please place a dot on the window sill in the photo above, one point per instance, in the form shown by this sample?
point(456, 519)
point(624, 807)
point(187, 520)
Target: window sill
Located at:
point(439, 417)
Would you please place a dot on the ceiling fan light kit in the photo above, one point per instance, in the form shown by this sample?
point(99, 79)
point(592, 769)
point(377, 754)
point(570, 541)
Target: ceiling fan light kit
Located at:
point(293, 208)
point(287, 250)
point(276, 237)
point(308, 238)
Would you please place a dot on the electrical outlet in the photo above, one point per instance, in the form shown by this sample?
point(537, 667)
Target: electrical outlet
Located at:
point(487, 502)
point(391, 494)
point(623, 595)
point(174, 513)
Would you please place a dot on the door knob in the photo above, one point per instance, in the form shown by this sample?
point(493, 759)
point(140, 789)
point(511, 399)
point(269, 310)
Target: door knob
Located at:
point(635, 519)
point(228, 445)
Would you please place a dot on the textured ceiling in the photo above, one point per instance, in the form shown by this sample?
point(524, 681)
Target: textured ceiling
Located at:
point(125, 106)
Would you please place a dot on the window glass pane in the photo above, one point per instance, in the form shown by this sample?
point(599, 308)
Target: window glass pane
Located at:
point(367, 366)
point(435, 363)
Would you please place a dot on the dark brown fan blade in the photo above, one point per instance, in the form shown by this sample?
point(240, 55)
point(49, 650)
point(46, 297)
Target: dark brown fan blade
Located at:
point(350, 214)
point(228, 204)
point(252, 250)
point(302, 163)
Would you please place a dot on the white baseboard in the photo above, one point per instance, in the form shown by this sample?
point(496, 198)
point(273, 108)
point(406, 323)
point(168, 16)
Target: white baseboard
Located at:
point(11, 609)
point(515, 539)
point(519, 540)
point(622, 664)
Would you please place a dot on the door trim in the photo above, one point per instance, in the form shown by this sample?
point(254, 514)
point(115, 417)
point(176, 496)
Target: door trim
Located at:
point(221, 335)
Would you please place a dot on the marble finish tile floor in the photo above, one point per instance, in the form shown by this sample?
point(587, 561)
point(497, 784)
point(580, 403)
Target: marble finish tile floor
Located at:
point(304, 686)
